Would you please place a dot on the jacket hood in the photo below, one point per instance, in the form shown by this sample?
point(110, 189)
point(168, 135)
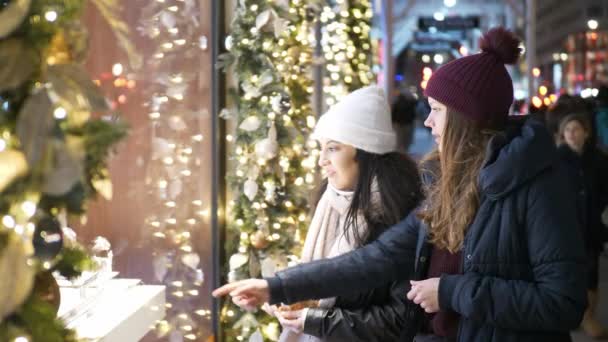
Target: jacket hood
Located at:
point(515, 156)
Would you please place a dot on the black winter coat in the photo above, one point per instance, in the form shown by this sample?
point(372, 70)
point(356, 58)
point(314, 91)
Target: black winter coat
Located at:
point(524, 264)
point(589, 173)
point(377, 315)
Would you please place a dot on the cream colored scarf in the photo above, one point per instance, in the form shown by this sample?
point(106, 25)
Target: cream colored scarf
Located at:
point(326, 239)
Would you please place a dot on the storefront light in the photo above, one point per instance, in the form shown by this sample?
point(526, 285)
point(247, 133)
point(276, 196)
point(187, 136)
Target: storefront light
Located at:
point(592, 24)
point(439, 16)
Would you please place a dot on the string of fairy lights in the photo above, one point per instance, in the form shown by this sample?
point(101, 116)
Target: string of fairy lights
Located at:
point(176, 208)
point(347, 48)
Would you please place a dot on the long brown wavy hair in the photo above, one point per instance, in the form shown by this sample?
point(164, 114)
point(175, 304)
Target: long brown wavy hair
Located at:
point(453, 195)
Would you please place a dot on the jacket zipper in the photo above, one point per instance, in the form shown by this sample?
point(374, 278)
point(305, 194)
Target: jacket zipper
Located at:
point(464, 254)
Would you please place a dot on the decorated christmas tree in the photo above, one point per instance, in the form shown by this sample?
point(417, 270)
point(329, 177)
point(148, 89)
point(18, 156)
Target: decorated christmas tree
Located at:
point(56, 131)
point(269, 54)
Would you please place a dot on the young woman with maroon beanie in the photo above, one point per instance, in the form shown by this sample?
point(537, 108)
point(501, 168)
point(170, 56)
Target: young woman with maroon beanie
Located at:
point(493, 252)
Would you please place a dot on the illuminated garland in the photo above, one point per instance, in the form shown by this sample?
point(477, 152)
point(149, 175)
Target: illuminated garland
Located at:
point(347, 48)
point(270, 55)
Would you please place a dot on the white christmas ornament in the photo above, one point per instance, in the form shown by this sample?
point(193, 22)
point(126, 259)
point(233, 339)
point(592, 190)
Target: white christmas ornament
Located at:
point(237, 261)
point(250, 124)
point(191, 260)
point(232, 276)
point(280, 26)
point(275, 102)
point(177, 123)
point(267, 148)
point(270, 188)
point(270, 20)
point(167, 19)
point(199, 277)
point(177, 91)
point(253, 173)
point(227, 114)
point(101, 244)
point(69, 235)
point(160, 266)
point(273, 264)
point(250, 188)
point(265, 79)
point(202, 43)
point(160, 148)
point(262, 19)
point(228, 43)
point(175, 188)
point(251, 90)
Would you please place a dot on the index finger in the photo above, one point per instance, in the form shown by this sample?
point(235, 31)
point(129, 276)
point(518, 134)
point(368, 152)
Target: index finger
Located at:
point(224, 290)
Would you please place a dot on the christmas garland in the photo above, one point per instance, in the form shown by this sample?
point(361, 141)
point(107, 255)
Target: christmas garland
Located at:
point(270, 54)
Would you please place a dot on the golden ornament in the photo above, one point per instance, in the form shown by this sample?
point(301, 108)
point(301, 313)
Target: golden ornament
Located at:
point(59, 51)
point(103, 187)
point(15, 166)
point(47, 289)
point(66, 167)
point(14, 261)
point(34, 125)
point(18, 63)
point(12, 16)
point(258, 240)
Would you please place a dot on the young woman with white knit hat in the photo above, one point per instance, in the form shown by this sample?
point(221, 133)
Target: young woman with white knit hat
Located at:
point(367, 188)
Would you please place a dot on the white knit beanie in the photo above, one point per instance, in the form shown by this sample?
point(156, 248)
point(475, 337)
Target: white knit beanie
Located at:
point(361, 119)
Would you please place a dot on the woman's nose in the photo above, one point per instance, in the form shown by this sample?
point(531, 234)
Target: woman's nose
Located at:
point(428, 122)
point(322, 161)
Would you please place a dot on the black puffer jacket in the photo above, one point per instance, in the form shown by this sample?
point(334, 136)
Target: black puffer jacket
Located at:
point(376, 315)
point(523, 269)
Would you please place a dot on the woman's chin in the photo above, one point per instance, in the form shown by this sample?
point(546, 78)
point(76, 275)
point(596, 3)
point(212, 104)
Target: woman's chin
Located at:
point(334, 184)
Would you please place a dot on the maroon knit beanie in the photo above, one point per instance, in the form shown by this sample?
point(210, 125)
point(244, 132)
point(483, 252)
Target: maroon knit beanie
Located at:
point(479, 86)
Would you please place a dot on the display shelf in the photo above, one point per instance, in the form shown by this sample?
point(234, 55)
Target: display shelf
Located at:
point(122, 310)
